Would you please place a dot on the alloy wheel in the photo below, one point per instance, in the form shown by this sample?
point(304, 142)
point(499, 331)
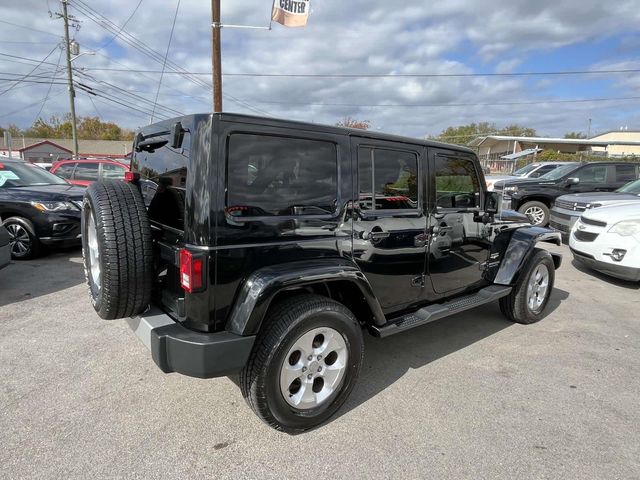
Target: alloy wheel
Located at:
point(535, 214)
point(314, 368)
point(94, 251)
point(19, 240)
point(538, 288)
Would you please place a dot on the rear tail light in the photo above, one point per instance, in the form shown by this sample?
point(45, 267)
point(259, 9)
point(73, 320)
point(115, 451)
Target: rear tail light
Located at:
point(131, 177)
point(191, 271)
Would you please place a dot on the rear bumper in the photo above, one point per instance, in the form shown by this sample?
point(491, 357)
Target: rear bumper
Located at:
point(175, 348)
point(619, 271)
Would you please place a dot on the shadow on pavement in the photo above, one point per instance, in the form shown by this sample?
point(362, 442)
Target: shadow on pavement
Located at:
point(605, 278)
point(387, 360)
point(50, 273)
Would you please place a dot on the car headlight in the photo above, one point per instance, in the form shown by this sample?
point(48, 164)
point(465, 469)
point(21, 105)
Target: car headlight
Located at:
point(512, 189)
point(593, 205)
point(54, 206)
point(626, 228)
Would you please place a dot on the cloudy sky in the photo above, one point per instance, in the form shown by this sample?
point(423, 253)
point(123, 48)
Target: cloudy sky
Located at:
point(458, 38)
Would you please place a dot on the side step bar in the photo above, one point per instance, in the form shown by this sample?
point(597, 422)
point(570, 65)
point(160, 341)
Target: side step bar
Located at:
point(441, 310)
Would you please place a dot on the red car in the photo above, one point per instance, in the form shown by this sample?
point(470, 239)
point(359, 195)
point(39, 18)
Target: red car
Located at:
point(85, 172)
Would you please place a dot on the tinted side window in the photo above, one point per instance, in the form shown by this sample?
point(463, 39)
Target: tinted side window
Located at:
point(626, 173)
point(542, 170)
point(592, 174)
point(387, 179)
point(86, 171)
point(112, 171)
point(163, 173)
point(269, 175)
point(65, 170)
point(457, 183)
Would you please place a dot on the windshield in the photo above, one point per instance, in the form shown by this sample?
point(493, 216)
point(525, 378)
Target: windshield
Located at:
point(524, 170)
point(631, 187)
point(14, 174)
point(558, 172)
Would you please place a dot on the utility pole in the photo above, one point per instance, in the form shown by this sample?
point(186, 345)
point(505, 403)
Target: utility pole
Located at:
point(72, 92)
point(216, 61)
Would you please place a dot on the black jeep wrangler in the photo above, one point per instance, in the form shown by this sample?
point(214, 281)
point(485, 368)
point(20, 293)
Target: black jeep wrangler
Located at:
point(265, 247)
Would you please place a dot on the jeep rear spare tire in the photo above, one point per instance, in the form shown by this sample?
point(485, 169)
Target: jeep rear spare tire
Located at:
point(117, 249)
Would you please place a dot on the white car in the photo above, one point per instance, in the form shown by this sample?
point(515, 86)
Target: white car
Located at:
point(607, 239)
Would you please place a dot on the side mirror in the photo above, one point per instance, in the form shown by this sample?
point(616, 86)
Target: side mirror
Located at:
point(176, 135)
point(491, 202)
point(573, 181)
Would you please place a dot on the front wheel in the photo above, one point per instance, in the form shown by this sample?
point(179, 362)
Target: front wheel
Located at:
point(537, 212)
point(529, 297)
point(23, 241)
point(304, 364)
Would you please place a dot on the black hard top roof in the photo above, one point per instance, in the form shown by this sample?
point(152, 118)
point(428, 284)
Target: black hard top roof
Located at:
point(316, 127)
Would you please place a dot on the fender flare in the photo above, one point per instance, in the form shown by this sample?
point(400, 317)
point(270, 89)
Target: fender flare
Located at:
point(519, 250)
point(263, 285)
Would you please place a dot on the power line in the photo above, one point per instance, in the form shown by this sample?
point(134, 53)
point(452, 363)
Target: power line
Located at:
point(109, 42)
point(48, 91)
point(22, 109)
point(17, 82)
point(28, 28)
point(390, 75)
point(408, 105)
point(164, 63)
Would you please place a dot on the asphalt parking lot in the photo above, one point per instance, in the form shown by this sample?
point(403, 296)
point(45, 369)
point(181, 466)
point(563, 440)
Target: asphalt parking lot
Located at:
point(472, 396)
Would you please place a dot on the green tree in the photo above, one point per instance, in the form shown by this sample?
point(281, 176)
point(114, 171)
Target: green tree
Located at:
point(349, 122)
point(463, 134)
point(579, 135)
point(88, 128)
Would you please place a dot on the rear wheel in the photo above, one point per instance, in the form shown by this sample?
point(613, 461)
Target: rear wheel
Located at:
point(529, 297)
point(22, 238)
point(117, 249)
point(304, 364)
point(537, 212)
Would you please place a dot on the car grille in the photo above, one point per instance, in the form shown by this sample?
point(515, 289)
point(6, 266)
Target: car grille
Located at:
point(575, 206)
point(595, 223)
point(559, 226)
point(585, 236)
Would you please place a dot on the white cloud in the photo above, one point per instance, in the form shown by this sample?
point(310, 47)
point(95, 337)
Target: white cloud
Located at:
point(361, 37)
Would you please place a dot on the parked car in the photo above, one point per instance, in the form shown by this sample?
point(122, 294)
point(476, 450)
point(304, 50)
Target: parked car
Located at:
point(85, 172)
point(5, 247)
point(46, 165)
point(246, 259)
point(533, 170)
point(38, 208)
point(607, 239)
point(535, 197)
point(568, 208)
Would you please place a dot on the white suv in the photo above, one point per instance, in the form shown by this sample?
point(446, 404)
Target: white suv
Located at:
point(607, 239)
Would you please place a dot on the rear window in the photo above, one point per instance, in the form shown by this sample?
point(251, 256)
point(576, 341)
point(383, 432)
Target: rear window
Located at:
point(280, 176)
point(113, 171)
point(86, 172)
point(626, 173)
point(163, 173)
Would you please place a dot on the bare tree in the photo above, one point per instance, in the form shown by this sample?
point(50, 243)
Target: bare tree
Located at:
point(349, 122)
